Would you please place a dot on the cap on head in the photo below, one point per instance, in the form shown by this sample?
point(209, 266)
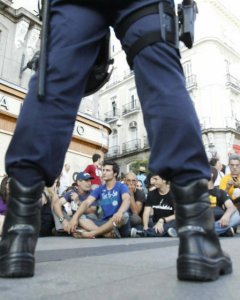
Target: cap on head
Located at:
point(142, 169)
point(83, 176)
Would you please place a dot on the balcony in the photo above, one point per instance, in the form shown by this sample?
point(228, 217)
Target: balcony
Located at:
point(191, 82)
point(112, 116)
point(131, 146)
point(130, 108)
point(113, 151)
point(233, 83)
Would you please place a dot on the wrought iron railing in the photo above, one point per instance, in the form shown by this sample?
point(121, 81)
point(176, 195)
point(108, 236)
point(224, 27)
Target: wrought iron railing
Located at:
point(113, 151)
point(233, 82)
point(112, 115)
point(130, 107)
point(132, 145)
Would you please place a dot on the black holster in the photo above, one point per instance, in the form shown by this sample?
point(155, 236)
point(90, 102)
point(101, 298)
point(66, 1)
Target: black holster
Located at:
point(187, 16)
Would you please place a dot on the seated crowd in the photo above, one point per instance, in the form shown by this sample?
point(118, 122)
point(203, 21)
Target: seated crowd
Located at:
point(97, 204)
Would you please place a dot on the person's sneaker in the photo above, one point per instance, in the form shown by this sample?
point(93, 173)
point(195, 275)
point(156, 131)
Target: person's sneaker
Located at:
point(136, 233)
point(172, 232)
point(116, 233)
point(133, 232)
point(228, 233)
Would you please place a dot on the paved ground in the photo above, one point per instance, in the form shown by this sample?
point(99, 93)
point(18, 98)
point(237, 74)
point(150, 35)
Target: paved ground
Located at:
point(108, 269)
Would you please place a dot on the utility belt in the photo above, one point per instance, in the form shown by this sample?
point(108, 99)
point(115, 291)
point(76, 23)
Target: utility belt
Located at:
point(167, 33)
point(170, 25)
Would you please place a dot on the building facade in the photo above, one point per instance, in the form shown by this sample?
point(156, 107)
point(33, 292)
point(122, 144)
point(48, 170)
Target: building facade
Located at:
point(19, 40)
point(212, 74)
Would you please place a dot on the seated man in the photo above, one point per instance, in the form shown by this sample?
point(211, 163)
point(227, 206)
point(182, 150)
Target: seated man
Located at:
point(114, 200)
point(230, 215)
point(163, 218)
point(137, 199)
point(230, 183)
point(65, 207)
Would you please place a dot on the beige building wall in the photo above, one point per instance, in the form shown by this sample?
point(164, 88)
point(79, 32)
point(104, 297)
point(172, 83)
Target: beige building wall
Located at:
point(19, 40)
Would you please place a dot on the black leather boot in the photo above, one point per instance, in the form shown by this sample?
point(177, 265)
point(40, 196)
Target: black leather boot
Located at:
point(20, 230)
point(200, 255)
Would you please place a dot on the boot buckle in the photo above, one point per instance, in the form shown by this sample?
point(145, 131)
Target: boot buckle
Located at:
point(191, 228)
point(21, 227)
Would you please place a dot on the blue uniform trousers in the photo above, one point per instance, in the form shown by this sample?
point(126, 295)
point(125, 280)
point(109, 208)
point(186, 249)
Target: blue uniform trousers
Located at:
point(44, 129)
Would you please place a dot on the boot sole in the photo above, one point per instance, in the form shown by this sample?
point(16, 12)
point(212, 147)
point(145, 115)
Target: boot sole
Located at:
point(17, 265)
point(201, 269)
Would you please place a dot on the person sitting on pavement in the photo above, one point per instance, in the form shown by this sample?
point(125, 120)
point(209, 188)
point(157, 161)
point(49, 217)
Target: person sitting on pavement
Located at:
point(163, 218)
point(95, 170)
point(215, 162)
point(65, 207)
point(114, 200)
point(230, 218)
point(137, 199)
point(230, 183)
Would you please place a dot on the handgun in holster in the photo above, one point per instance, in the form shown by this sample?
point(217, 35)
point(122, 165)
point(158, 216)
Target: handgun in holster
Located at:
point(187, 12)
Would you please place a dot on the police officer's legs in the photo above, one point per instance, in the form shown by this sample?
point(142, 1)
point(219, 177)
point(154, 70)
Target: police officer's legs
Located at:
point(44, 129)
point(177, 154)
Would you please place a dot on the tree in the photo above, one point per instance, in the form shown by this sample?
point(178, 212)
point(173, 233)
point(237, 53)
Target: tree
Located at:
point(134, 167)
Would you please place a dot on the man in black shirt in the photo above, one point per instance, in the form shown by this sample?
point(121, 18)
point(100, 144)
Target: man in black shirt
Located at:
point(160, 201)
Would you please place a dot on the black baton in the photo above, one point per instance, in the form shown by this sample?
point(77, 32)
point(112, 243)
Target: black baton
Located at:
point(43, 49)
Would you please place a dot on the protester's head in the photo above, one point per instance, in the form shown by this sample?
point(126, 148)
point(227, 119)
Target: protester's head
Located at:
point(142, 170)
point(83, 181)
point(159, 182)
point(215, 162)
point(97, 159)
point(131, 180)
point(110, 170)
point(214, 174)
point(139, 185)
point(234, 164)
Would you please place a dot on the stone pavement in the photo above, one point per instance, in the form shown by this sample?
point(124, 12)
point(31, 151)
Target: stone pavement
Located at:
point(108, 269)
